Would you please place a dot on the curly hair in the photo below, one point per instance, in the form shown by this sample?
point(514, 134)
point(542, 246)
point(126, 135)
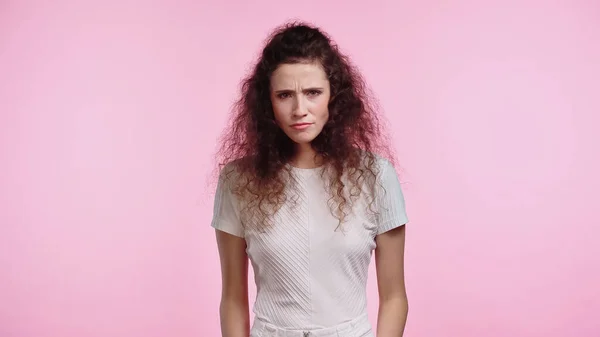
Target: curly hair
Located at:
point(258, 152)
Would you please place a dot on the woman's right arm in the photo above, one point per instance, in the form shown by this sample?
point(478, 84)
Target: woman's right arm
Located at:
point(234, 308)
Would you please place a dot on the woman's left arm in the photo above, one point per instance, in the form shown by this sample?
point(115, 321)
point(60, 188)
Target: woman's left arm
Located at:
point(393, 302)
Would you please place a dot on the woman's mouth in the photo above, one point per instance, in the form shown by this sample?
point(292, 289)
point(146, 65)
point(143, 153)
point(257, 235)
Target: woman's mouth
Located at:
point(301, 126)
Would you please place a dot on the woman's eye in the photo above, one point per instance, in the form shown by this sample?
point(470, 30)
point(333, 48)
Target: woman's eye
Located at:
point(314, 93)
point(283, 95)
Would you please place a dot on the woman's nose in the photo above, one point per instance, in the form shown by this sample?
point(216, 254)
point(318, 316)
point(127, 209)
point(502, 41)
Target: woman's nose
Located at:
point(300, 108)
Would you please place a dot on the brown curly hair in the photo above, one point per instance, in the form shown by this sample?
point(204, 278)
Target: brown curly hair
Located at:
point(258, 152)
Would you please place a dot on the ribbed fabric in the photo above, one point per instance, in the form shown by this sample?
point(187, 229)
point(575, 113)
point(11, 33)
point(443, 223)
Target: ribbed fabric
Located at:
point(308, 275)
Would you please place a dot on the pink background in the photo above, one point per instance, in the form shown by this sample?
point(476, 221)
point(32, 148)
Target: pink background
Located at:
point(109, 112)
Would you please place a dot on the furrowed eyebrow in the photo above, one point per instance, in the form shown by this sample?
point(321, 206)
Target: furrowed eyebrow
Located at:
point(307, 89)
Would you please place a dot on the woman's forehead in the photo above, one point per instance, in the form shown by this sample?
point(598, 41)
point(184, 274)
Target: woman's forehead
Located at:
point(298, 74)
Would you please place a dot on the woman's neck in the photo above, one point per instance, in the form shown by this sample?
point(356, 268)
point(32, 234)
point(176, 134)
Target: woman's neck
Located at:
point(306, 157)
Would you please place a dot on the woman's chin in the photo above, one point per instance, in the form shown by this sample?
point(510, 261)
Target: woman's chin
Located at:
point(302, 139)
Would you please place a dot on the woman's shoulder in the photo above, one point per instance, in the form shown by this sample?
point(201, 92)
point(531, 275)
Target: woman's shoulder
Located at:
point(235, 166)
point(229, 173)
point(374, 160)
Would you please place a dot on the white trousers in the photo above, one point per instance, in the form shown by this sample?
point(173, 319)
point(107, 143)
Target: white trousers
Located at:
point(359, 327)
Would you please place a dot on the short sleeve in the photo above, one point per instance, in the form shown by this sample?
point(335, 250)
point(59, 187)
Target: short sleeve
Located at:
point(225, 213)
point(391, 204)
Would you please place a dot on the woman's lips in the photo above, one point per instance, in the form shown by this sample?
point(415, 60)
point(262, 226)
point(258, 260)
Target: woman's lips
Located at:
point(301, 126)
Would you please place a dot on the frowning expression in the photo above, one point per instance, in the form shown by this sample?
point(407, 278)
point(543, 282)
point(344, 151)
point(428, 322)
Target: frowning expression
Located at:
point(300, 95)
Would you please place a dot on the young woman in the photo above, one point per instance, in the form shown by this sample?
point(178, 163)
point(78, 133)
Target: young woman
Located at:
point(307, 191)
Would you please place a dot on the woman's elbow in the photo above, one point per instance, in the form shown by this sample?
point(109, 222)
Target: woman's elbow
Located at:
point(395, 303)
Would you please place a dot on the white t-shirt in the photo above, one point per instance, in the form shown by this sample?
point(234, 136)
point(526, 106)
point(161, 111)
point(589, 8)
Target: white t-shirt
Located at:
point(309, 275)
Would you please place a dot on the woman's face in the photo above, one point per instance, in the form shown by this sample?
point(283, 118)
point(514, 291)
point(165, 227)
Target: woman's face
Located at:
point(300, 96)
